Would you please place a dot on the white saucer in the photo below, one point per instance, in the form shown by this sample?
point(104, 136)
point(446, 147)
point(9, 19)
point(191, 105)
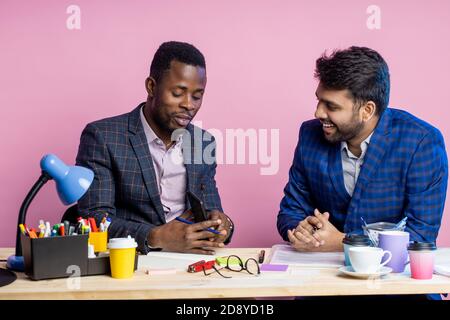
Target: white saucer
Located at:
point(348, 270)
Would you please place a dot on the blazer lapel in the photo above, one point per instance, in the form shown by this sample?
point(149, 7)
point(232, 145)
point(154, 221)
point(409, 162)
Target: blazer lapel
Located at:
point(335, 171)
point(378, 145)
point(377, 148)
point(192, 154)
point(140, 146)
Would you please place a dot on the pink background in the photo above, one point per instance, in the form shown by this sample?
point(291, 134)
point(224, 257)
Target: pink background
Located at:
point(260, 60)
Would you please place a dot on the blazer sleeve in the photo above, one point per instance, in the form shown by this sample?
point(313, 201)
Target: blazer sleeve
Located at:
point(208, 182)
point(99, 200)
point(296, 204)
point(426, 188)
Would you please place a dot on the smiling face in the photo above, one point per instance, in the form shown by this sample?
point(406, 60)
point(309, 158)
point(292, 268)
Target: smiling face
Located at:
point(174, 101)
point(341, 119)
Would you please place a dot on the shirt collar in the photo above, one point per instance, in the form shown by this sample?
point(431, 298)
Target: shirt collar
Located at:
point(364, 145)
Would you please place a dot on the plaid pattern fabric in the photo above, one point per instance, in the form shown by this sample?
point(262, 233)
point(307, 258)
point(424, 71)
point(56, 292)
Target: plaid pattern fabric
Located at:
point(124, 185)
point(404, 173)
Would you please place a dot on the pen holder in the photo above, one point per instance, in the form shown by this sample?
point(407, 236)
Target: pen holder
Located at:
point(62, 257)
point(55, 257)
point(99, 240)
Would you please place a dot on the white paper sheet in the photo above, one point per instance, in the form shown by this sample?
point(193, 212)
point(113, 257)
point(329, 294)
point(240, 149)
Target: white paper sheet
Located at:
point(285, 254)
point(170, 260)
point(442, 262)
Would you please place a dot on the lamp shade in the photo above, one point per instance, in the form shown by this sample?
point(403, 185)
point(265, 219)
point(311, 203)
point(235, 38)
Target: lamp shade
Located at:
point(71, 181)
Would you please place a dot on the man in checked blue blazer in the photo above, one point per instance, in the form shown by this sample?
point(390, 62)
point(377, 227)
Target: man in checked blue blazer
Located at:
point(145, 161)
point(361, 159)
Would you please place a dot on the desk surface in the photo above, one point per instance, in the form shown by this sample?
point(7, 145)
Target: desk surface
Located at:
point(183, 285)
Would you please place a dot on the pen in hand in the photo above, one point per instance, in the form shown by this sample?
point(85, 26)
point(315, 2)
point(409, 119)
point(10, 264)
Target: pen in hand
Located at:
point(190, 222)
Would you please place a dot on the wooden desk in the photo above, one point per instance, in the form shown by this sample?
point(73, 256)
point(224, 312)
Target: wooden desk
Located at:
point(183, 285)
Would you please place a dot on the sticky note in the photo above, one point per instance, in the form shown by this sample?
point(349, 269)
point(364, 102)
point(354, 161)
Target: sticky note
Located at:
point(273, 267)
point(154, 272)
point(222, 261)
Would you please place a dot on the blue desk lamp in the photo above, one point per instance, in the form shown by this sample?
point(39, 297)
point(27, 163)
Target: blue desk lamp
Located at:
point(71, 183)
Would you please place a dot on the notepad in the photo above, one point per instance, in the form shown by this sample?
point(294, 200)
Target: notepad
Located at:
point(274, 267)
point(286, 254)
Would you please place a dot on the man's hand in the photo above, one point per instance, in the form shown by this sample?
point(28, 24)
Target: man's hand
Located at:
point(177, 236)
point(224, 228)
point(305, 232)
point(316, 233)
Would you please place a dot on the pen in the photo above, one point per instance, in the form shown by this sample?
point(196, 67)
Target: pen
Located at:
point(261, 256)
point(190, 222)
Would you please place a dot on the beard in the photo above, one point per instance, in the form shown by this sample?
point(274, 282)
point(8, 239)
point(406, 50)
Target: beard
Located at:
point(345, 132)
point(164, 122)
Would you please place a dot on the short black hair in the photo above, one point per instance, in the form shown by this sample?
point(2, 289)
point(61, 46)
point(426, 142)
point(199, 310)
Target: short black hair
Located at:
point(361, 70)
point(174, 50)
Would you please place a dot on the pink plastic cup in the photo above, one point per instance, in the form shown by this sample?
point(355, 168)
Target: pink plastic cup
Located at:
point(421, 257)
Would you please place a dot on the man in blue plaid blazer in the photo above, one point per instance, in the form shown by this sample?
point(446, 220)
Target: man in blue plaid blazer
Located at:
point(360, 159)
point(138, 182)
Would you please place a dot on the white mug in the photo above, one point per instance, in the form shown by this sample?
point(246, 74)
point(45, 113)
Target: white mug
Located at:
point(367, 259)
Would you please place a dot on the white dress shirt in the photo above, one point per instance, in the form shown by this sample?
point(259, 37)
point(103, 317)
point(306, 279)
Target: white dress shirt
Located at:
point(351, 164)
point(170, 171)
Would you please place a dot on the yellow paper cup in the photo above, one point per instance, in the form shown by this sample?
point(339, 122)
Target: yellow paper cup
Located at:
point(99, 240)
point(122, 252)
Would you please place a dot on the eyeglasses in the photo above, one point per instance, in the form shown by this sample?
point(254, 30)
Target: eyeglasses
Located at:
point(235, 264)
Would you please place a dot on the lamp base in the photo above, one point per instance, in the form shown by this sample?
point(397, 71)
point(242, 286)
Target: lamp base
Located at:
point(15, 263)
point(6, 277)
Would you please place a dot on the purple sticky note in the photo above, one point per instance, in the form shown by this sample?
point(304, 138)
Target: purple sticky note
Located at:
point(273, 267)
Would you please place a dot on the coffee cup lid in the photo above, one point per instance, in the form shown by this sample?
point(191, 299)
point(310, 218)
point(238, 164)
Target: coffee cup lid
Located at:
point(357, 240)
point(122, 243)
point(380, 226)
point(421, 246)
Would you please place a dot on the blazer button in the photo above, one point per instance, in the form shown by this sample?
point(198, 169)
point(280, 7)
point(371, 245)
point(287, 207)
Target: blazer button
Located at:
point(202, 186)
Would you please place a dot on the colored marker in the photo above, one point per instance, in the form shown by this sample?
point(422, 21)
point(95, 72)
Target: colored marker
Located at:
point(32, 234)
point(93, 225)
point(61, 230)
point(107, 223)
point(22, 229)
point(48, 229)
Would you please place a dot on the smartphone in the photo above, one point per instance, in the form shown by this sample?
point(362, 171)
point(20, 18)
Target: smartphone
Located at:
point(197, 208)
